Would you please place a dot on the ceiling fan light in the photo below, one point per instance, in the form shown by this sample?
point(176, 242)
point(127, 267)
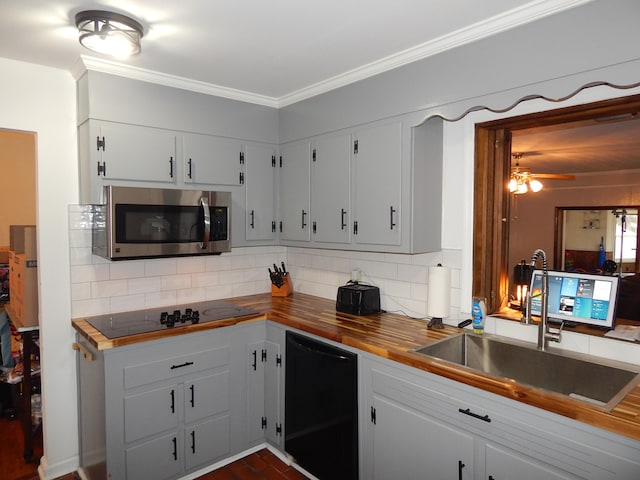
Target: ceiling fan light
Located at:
point(535, 185)
point(522, 188)
point(513, 185)
point(109, 33)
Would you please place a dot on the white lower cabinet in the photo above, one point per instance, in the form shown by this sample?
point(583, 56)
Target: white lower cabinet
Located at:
point(410, 445)
point(165, 408)
point(502, 464)
point(421, 426)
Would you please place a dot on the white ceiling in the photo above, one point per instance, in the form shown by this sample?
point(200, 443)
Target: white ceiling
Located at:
point(272, 52)
point(276, 52)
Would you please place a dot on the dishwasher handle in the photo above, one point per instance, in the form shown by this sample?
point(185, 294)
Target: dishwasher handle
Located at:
point(317, 349)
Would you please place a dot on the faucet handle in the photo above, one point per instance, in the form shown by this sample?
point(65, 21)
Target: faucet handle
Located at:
point(554, 336)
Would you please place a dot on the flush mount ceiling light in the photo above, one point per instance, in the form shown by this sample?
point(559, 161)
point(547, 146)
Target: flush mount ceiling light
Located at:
point(109, 33)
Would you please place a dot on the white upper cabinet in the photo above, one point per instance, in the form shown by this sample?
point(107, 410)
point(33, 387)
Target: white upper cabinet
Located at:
point(260, 182)
point(330, 189)
point(295, 167)
point(377, 185)
point(211, 160)
point(130, 152)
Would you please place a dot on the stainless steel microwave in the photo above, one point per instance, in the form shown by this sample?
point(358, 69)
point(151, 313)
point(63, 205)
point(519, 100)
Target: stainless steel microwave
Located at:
point(155, 222)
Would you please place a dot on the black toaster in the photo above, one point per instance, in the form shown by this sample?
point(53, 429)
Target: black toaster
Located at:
point(358, 299)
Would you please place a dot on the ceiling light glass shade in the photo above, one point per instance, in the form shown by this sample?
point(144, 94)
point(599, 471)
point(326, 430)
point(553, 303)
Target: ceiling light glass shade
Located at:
point(513, 185)
point(521, 188)
point(109, 33)
point(535, 185)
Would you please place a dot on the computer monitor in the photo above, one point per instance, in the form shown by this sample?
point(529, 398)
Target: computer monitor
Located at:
point(577, 298)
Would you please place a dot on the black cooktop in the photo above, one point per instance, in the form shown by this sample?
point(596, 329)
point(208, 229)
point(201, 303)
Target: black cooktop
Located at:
point(118, 325)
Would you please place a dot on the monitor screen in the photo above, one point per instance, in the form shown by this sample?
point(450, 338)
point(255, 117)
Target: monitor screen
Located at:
point(577, 297)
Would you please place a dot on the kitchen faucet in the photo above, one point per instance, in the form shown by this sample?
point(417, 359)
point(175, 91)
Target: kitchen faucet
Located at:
point(544, 334)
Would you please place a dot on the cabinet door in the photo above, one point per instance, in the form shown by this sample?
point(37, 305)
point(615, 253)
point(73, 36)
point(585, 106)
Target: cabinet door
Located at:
point(151, 412)
point(272, 393)
point(206, 442)
point(160, 459)
point(502, 464)
point(206, 396)
point(255, 391)
point(294, 191)
point(330, 189)
point(410, 445)
point(377, 176)
point(211, 160)
point(130, 152)
point(260, 181)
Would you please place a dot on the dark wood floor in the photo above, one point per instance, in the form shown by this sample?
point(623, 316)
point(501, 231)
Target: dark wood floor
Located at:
point(262, 465)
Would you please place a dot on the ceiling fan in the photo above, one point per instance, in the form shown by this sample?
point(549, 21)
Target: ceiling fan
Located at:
point(523, 180)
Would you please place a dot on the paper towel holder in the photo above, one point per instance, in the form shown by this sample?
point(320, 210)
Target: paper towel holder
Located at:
point(436, 320)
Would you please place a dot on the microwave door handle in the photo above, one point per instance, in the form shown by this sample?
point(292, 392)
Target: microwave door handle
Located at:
point(204, 203)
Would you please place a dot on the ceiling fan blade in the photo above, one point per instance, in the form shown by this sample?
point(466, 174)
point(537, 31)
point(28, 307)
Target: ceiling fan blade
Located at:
point(556, 176)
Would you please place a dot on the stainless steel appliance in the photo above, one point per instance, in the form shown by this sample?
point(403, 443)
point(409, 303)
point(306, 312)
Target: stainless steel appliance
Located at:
point(118, 325)
point(155, 222)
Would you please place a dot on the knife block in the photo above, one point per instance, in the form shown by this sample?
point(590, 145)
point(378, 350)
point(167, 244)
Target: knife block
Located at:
point(285, 290)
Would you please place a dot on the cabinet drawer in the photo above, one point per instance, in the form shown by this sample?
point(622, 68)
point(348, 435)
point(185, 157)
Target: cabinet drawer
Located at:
point(173, 367)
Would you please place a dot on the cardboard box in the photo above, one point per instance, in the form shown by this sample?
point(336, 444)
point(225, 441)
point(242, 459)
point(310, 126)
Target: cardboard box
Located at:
point(23, 276)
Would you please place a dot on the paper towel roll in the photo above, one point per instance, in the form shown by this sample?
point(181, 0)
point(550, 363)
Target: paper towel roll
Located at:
point(438, 291)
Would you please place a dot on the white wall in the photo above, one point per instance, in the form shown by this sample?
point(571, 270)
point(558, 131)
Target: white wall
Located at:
point(42, 100)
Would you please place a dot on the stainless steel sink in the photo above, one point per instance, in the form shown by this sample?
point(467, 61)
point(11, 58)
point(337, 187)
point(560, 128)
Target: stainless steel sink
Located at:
point(601, 384)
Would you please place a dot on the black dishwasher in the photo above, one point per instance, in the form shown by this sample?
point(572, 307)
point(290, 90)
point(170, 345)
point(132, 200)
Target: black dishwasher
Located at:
point(321, 408)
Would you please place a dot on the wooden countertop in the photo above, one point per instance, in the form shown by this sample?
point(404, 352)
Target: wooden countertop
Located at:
point(392, 336)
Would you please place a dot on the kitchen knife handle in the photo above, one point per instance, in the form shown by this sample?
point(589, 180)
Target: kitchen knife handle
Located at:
point(204, 203)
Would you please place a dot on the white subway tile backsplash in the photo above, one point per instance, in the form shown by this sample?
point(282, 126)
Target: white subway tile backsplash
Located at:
point(99, 286)
point(89, 273)
point(412, 273)
point(190, 295)
point(128, 269)
point(191, 265)
point(108, 288)
point(175, 282)
point(144, 285)
point(159, 267)
point(80, 291)
point(127, 303)
point(205, 279)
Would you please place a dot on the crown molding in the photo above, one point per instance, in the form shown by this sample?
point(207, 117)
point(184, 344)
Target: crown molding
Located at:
point(114, 68)
point(508, 20)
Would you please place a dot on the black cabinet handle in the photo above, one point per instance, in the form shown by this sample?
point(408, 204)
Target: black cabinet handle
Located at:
point(175, 448)
point(190, 163)
point(304, 214)
point(253, 217)
point(185, 364)
point(255, 360)
point(170, 167)
point(468, 411)
point(391, 212)
point(460, 467)
point(193, 441)
point(193, 400)
point(173, 401)
point(343, 224)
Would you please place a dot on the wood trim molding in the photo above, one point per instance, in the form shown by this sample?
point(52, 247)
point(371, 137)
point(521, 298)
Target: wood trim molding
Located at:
point(491, 198)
